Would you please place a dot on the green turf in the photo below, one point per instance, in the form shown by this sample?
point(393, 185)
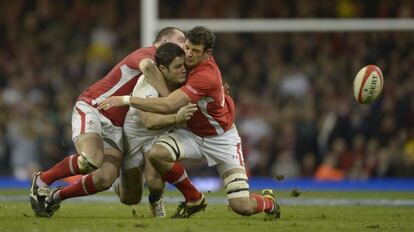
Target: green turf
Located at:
point(284, 194)
point(18, 216)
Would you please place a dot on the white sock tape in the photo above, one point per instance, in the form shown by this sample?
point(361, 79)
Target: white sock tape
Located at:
point(126, 100)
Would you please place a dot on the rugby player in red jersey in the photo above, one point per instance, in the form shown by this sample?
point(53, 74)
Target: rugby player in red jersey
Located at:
point(212, 133)
point(97, 133)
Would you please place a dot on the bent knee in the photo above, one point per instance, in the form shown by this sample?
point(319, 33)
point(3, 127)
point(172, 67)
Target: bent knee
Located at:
point(104, 182)
point(158, 153)
point(130, 200)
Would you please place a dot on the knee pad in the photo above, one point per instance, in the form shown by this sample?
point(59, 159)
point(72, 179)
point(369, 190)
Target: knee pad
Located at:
point(86, 165)
point(171, 144)
point(236, 185)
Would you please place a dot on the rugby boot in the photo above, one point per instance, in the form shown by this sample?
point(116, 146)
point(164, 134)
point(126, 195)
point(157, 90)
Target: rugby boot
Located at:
point(186, 209)
point(275, 213)
point(38, 196)
point(51, 205)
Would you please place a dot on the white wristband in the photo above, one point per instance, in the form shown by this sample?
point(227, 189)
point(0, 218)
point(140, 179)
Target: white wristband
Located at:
point(126, 100)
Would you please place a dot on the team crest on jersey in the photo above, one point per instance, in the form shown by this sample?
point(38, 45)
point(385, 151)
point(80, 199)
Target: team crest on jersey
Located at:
point(91, 124)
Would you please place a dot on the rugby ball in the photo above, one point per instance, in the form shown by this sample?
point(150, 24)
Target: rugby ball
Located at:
point(368, 84)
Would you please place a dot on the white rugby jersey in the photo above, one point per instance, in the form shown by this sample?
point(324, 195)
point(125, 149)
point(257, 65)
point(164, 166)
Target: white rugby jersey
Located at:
point(133, 126)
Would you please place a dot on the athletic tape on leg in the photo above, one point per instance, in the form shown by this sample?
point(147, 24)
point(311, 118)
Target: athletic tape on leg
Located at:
point(171, 144)
point(86, 165)
point(236, 185)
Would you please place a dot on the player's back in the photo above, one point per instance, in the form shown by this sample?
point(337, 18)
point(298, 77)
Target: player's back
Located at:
point(118, 82)
point(216, 109)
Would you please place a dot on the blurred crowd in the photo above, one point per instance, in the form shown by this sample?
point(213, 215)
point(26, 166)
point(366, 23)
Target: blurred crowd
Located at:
point(286, 9)
point(293, 91)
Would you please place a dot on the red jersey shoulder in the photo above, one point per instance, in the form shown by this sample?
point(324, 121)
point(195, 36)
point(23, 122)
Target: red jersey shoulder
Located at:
point(134, 58)
point(202, 80)
point(205, 74)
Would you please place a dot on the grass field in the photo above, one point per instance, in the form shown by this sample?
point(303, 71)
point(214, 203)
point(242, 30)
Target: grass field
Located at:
point(16, 215)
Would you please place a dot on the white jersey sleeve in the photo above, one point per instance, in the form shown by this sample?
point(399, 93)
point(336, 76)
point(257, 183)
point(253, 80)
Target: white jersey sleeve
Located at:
point(144, 89)
point(133, 126)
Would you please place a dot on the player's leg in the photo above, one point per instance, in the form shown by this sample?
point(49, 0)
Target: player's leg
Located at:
point(154, 182)
point(241, 200)
point(129, 186)
point(164, 155)
point(99, 180)
point(174, 173)
point(156, 188)
point(224, 151)
point(89, 156)
point(88, 143)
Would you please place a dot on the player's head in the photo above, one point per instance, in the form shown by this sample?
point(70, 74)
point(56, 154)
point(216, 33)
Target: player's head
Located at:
point(170, 61)
point(171, 35)
point(199, 43)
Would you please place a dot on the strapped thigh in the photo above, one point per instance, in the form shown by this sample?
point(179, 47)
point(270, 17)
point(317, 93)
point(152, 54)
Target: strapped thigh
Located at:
point(172, 145)
point(181, 144)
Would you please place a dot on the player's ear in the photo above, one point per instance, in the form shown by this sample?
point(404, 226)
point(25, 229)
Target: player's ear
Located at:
point(209, 51)
point(163, 69)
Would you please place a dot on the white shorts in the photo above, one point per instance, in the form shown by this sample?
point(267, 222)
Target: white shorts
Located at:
point(87, 119)
point(135, 148)
point(222, 151)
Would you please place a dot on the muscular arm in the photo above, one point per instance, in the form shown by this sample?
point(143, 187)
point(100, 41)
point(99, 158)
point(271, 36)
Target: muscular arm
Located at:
point(164, 105)
point(154, 76)
point(154, 121)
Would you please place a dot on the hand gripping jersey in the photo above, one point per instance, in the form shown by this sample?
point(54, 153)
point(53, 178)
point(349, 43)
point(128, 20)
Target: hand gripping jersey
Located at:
point(118, 82)
point(216, 109)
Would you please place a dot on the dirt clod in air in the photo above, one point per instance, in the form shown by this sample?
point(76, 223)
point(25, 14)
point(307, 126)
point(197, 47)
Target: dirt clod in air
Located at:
point(295, 192)
point(134, 213)
point(374, 226)
point(279, 177)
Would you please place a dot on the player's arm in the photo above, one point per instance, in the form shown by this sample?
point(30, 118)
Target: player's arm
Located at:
point(154, 121)
point(154, 76)
point(163, 105)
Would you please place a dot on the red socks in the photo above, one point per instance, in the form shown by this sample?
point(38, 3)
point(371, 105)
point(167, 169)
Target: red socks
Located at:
point(178, 177)
point(263, 203)
point(67, 167)
point(82, 187)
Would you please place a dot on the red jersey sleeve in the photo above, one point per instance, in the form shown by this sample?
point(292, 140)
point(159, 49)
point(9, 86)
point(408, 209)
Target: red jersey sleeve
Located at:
point(198, 85)
point(135, 58)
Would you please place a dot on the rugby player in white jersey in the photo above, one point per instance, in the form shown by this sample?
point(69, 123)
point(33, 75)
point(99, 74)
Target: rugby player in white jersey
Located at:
point(212, 133)
point(97, 133)
point(141, 130)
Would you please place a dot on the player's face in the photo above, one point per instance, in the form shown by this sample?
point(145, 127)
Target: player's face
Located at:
point(176, 72)
point(177, 38)
point(194, 54)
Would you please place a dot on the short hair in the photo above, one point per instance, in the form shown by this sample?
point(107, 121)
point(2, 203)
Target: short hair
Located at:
point(166, 32)
point(167, 52)
point(201, 35)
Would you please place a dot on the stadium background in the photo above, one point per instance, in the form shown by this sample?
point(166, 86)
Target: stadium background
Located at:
point(293, 91)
